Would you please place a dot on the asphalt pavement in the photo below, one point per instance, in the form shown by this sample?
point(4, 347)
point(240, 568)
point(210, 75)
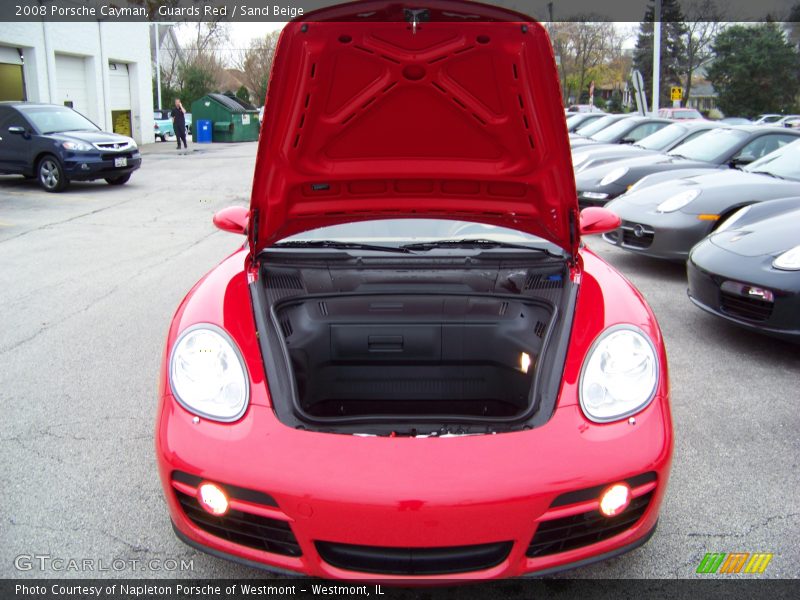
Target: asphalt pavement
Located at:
point(90, 278)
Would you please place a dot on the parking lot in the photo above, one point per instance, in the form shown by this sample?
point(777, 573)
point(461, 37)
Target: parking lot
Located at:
point(91, 277)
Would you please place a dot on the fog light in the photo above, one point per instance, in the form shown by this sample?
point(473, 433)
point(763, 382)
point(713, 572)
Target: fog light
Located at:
point(213, 499)
point(84, 166)
point(615, 499)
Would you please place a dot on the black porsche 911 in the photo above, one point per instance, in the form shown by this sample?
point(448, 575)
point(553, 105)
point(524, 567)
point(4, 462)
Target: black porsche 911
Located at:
point(748, 271)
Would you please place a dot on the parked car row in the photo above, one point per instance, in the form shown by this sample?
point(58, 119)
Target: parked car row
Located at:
point(725, 199)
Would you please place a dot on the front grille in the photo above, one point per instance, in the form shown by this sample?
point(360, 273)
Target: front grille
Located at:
point(636, 235)
point(113, 145)
point(752, 309)
point(414, 561)
point(569, 533)
point(246, 529)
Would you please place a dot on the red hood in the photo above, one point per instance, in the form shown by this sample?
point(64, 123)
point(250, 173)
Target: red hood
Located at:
point(366, 119)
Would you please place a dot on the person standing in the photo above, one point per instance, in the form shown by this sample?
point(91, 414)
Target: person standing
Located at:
point(179, 123)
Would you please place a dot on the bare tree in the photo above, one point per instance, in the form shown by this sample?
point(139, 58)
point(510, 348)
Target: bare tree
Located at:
point(255, 63)
point(584, 45)
point(703, 23)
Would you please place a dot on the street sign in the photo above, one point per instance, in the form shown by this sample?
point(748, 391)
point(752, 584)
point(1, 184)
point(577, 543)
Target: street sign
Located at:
point(639, 93)
point(676, 93)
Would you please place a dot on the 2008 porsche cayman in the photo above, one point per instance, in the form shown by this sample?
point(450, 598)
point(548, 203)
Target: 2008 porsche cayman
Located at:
point(413, 369)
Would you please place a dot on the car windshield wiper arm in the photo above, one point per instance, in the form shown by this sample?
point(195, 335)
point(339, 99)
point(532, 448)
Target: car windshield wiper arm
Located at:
point(339, 245)
point(769, 173)
point(469, 243)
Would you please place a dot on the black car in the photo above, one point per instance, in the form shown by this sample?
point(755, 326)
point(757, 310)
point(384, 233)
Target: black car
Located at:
point(624, 131)
point(722, 148)
point(56, 144)
point(748, 272)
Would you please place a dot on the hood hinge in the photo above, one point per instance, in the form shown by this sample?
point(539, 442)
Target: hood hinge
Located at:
point(252, 234)
point(573, 236)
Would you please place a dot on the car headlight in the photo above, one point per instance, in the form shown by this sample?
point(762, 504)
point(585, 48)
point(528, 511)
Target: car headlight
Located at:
point(207, 374)
point(789, 260)
point(619, 375)
point(132, 142)
point(614, 175)
point(77, 146)
point(677, 201)
point(731, 221)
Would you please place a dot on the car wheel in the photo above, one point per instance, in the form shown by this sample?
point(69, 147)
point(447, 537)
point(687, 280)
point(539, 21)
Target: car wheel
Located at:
point(121, 180)
point(51, 175)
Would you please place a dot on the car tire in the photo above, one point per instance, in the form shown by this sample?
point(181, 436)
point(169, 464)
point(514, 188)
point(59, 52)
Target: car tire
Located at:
point(50, 174)
point(121, 180)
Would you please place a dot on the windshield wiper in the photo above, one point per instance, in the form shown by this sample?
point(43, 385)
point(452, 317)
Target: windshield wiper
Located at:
point(339, 245)
point(770, 173)
point(469, 243)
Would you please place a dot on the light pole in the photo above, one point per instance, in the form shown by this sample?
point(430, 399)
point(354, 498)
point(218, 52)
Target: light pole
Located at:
point(656, 54)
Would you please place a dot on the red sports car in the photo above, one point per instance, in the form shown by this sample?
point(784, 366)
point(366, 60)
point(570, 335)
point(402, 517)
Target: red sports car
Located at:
point(412, 369)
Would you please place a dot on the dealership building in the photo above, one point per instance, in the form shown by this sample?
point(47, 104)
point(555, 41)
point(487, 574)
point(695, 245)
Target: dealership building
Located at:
point(101, 69)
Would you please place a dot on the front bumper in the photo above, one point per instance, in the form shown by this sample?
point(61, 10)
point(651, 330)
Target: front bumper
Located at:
point(709, 267)
point(89, 166)
point(371, 495)
point(668, 236)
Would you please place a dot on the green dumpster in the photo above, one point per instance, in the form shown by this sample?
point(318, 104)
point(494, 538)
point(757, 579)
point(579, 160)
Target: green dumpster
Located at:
point(233, 120)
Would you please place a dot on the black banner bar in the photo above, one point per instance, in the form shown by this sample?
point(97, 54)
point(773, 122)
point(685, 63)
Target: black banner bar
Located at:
point(718, 588)
point(282, 10)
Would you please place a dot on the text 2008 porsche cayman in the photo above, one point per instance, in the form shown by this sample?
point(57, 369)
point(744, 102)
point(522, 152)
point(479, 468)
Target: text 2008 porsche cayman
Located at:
point(413, 369)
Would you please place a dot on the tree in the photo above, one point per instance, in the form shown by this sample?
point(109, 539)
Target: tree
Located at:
point(755, 70)
point(704, 23)
point(243, 94)
point(197, 80)
point(673, 48)
point(792, 25)
point(255, 63)
point(584, 46)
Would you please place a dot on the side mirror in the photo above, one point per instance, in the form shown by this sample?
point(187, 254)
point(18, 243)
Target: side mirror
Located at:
point(233, 219)
point(595, 219)
point(17, 130)
point(627, 141)
point(738, 161)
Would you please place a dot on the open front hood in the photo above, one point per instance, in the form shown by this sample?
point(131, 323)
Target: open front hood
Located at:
point(431, 109)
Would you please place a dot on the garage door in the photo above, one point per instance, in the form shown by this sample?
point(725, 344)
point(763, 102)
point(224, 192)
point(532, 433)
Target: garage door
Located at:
point(73, 89)
point(11, 82)
point(119, 86)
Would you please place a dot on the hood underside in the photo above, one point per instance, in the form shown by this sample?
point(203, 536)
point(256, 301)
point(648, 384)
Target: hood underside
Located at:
point(442, 109)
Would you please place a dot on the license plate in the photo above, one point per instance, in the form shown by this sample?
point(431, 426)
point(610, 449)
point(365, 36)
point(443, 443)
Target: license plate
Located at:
point(121, 162)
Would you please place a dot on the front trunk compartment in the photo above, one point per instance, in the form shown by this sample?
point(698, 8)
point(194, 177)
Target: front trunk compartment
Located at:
point(442, 347)
point(424, 355)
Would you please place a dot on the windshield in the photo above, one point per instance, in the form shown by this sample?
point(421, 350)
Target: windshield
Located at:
point(595, 126)
point(663, 138)
point(614, 132)
point(782, 163)
point(686, 114)
point(398, 232)
point(712, 146)
point(53, 119)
